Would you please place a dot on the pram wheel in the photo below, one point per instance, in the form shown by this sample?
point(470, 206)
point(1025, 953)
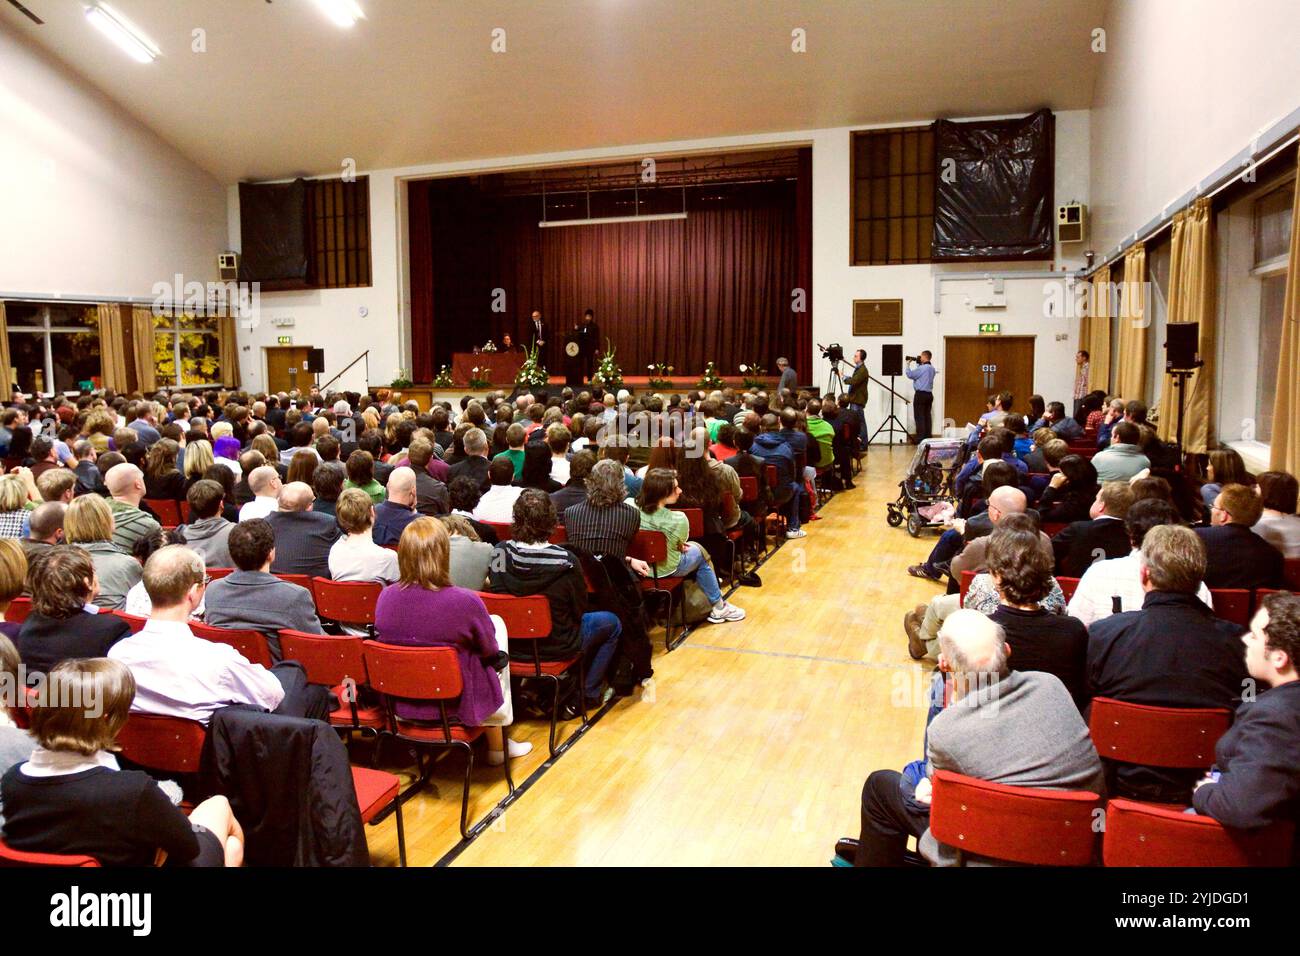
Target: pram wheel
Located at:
point(895, 517)
point(914, 525)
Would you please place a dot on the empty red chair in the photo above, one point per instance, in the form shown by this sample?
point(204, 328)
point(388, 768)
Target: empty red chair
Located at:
point(528, 621)
point(135, 621)
point(1016, 824)
point(351, 602)
point(1178, 737)
point(377, 790)
point(1141, 834)
point(337, 662)
point(11, 857)
point(18, 610)
point(167, 510)
point(252, 644)
point(170, 744)
point(1232, 604)
point(652, 548)
point(425, 674)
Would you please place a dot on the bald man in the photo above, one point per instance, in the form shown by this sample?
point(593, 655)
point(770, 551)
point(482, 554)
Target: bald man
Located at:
point(264, 483)
point(303, 537)
point(398, 509)
point(130, 523)
point(46, 529)
point(1003, 726)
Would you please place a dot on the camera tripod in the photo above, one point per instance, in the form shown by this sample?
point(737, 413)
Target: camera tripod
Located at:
point(892, 423)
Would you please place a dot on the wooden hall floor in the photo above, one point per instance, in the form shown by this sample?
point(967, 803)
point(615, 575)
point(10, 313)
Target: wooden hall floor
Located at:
point(760, 735)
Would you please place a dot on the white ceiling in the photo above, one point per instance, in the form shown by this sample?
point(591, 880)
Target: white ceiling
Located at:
point(280, 91)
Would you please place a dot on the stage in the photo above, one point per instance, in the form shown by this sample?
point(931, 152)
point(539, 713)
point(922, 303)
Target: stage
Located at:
point(425, 395)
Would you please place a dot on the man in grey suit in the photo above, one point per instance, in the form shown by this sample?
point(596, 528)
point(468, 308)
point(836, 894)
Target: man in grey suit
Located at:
point(1003, 726)
point(303, 537)
point(789, 381)
point(253, 597)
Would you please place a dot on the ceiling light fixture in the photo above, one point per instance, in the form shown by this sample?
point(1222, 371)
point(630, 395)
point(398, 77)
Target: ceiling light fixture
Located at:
point(342, 13)
point(123, 33)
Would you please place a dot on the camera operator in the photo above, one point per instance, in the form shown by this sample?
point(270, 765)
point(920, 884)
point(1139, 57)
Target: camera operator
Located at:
point(857, 388)
point(921, 372)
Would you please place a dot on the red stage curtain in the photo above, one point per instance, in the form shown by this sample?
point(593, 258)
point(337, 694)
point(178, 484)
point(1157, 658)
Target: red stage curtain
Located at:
point(421, 246)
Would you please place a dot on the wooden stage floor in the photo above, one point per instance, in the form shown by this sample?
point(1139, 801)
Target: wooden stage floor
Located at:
point(760, 735)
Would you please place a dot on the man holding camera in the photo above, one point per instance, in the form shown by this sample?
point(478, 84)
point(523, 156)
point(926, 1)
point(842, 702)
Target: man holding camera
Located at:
point(856, 384)
point(921, 372)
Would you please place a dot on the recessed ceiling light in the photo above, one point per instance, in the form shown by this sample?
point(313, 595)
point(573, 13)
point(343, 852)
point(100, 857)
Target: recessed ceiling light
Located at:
point(342, 13)
point(123, 33)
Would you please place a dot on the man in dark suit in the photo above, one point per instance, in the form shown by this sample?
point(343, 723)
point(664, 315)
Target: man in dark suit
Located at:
point(1080, 543)
point(475, 463)
point(274, 415)
point(303, 537)
point(397, 510)
point(857, 384)
point(1236, 557)
point(536, 334)
point(1172, 653)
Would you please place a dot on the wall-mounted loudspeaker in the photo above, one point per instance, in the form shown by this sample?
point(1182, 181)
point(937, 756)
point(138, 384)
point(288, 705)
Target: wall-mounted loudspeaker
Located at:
point(1071, 222)
point(228, 266)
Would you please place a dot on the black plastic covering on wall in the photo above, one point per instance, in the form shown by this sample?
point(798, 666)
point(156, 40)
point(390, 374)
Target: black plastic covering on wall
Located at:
point(993, 189)
point(273, 231)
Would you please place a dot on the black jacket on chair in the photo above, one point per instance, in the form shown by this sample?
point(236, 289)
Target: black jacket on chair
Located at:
point(45, 641)
point(1080, 543)
point(1236, 557)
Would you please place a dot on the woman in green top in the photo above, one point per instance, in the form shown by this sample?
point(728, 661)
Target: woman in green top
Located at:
point(685, 558)
point(361, 474)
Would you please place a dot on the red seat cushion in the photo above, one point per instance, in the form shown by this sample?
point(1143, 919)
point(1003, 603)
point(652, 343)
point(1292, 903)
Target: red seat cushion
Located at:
point(555, 668)
point(367, 715)
point(376, 789)
point(664, 584)
point(433, 732)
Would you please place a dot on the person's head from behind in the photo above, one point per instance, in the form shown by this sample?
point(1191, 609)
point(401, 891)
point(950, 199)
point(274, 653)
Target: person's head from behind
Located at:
point(1113, 500)
point(83, 706)
point(1056, 411)
point(1125, 433)
point(62, 581)
point(355, 512)
point(88, 520)
point(264, 482)
point(249, 462)
point(13, 571)
point(1147, 514)
point(533, 517)
point(361, 468)
point(990, 448)
point(205, 497)
point(580, 467)
point(1273, 641)
point(424, 554)
point(174, 577)
point(475, 442)
point(1135, 411)
point(46, 522)
point(1021, 570)
point(1004, 501)
point(1080, 473)
point(13, 493)
point(401, 487)
point(296, 496)
point(660, 488)
point(1172, 559)
point(605, 485)
point(1226, 467)
point(302, 467)
point(1152, 487)
point(501, 471)
point(463, 494)
point(558, 439)
point(57, 484)
point(252, 545)
point(998, 474)
point(1236, 504)
point(1278, 491)
point(327, 483)
point(973, 649)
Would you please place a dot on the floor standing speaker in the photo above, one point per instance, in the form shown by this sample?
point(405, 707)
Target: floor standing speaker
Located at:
point(316, 361)
point(1183, 345)
point(891, 360)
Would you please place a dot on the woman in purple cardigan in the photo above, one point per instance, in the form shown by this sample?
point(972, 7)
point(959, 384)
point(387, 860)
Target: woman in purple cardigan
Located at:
point(424, 609)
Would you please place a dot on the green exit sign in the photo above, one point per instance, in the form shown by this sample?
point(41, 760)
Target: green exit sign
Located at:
point(990, 328)
point(288, 340)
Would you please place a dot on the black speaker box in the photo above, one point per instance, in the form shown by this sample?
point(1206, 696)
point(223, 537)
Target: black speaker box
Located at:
point(1182, 347)
point(891, 360)
point(316, 361)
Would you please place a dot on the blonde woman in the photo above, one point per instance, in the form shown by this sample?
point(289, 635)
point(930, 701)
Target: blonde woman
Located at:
point(14, 496)
point(100, 425)
point(88, 523)
point(198, 459)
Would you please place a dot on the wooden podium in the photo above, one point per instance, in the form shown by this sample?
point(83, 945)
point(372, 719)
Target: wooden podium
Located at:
point(575, 357)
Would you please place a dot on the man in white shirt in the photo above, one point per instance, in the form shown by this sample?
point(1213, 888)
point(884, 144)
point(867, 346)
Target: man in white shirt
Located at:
point(1118, 580)
point(355, 556)
point(265, 484)
point(498, 502)
point(180, 675)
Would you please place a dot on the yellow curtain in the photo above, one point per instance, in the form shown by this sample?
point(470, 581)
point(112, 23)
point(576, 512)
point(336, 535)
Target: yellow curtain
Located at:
point(1285, 455)
point(1131, 373)
point(112, 347)
point(1098, 341)
point(6, 383)
point(142, 335)
point(1192, 299)
point(229, 347)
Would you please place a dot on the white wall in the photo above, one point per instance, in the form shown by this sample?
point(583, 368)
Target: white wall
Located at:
point(1183, 85)
point(329, 319)
point(92, 202)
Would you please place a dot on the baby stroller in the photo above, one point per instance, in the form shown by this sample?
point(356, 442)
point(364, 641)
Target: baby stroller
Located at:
point(929, 483)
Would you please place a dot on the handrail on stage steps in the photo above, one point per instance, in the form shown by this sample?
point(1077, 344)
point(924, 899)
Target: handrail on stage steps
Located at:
point(364, 355)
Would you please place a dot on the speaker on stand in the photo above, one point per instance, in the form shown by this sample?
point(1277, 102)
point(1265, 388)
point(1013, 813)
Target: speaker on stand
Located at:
point(316, 364)
point(891, 364)
point(1182, 358)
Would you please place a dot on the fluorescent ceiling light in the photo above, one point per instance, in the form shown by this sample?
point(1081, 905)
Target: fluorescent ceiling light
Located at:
point(342, 13)
point(124, 34)
point(545, 223)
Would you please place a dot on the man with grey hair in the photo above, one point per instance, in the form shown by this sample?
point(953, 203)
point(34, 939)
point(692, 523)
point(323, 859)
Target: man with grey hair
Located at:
point(475, 463)
point(264, 483)
point(303, 537)
point(398, 509)
point(342, 409)
point(789, 382)
point(130, 523)
point(1003, 726)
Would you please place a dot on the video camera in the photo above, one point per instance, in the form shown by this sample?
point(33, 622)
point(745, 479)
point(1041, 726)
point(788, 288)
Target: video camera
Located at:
point(832, 353)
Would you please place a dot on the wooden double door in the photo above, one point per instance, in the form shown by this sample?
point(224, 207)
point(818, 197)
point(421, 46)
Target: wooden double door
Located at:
point(977, 366)
point(286, 368)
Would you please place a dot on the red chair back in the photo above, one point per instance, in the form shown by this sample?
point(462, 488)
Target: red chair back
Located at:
point(168, 511)
point(1068, 586)
point(252, 644)
point(135, 621)
point(649, 546)
point(171, 744)
point(769, 473)
point(527, 618)
point(748, 489)
point(1291, 574)
point(502, 530)
point(14, 858)
point(695, 518)
point(302, 580)
point(559, 535)
point(1018, 824)
point(1143, 834)
point(1053, 528)
point(350, 601)
point(218, 573)
point(966, 578)
point(18, 610)
point(1156, 736)
point(417, 673)
point(328, 659)
point(1232, 604)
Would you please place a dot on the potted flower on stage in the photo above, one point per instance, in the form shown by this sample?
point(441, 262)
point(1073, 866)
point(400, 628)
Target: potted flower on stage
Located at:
point(608, 375)
point(659, 372)
point(443, 378)
point(710, 380)
point(401, 379)
point(478, 378)
point(532, 374)
point(753, 374)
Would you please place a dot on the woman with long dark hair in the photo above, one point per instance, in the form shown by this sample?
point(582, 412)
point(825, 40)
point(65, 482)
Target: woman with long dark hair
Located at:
point(1071, 492)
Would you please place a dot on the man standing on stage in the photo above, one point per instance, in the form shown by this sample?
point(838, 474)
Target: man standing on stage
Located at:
point(922, 376)
point(590, 333)
point(857, 388)
point(789, 381)
point(538, 333)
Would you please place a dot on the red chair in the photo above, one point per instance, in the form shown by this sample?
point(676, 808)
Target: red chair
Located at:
point(1178, 737)
point(528, 621)
point(652, 548)
point(695, 521)
point(302, 580)
point(1291, 574)
point(1142, 834)
point(1017, 824)
point(770, 476)
point(1053, 528)
point(337, 662)
point(1068, 586)
point(733, 537)
point(966, 578)
point(9, 857)
point(377, 790)
point(136, 622)
point(559, 535)
point(18, 610)
point(502, 530)
point(252, 644)
point(22, 713)
point(217, 574)
point(350, 602)
point(425, 674)
point(167, 510)
point(1232, 604)
point(170, 744)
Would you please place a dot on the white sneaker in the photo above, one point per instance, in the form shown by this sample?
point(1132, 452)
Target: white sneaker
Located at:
point(797, 533)
point(728, 612)
point(518, 748)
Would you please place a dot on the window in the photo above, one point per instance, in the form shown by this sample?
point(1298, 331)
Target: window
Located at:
point(1272, 298)
point(53, 347)
point(338, 223)
point(186, 350)
point(893, 196)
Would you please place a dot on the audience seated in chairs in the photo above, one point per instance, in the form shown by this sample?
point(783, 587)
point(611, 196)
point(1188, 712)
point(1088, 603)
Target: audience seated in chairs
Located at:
point(1172, 653)
point(207, 533)
point(1279, 525)
point(397, 510)
point(60, 625)
point(1236, 557)
point(1123, 458)
point(88, 523)
point(575, 488)
point(424, 593)
point(605, 524)
point(70, 797)
point(788, 492)
point(303, 537)
point(355, 556)
point(1225, 467)
point(1004, 726)
point(361, 474)
point(1081, 543)
point(967, 528)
